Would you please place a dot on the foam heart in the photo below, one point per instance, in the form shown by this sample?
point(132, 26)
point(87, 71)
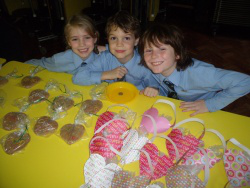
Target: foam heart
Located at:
point(102, 147)
point(160, 163)
point(186, 144)
point(115, 127)
point(131, 146)
point(162, 124)
point(237, 167)
point(97, 174)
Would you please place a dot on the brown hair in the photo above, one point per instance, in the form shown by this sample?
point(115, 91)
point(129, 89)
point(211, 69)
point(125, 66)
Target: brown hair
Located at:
point(170, 35)
point(82, 21)
point(124, 21)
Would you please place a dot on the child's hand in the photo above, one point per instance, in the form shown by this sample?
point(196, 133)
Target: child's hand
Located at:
point(118, 72)
point(197, 106)
point(150, 92)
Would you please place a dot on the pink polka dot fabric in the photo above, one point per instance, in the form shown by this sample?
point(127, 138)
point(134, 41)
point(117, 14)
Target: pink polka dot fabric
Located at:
point(237, 167)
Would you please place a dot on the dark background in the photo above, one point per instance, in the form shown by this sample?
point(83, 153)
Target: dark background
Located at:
point(217, 31)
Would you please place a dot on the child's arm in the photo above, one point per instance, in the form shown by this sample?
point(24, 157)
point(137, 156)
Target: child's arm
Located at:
point(150, 92)
point(118, 72)
point(198, 107)
point(229, 85)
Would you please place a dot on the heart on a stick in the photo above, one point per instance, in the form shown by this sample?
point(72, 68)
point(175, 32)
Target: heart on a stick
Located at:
point(97, 173)
point(162, 124)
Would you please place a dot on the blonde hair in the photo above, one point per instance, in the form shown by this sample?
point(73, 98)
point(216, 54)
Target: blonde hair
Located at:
point(82, 21)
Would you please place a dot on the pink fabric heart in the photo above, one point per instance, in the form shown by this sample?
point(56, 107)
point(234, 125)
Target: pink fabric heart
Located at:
point(162, 124)
point(115, 127)
point(184, 143)
point(160, 164)
point(101, 147)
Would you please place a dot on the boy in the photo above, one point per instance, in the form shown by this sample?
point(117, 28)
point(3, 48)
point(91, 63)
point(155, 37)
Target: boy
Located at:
point(203, 87)
point(121, 62)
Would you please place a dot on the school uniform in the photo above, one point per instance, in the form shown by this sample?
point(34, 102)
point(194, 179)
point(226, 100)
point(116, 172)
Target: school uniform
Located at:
point(66, 61)
point(137, 74)
point(218, 87)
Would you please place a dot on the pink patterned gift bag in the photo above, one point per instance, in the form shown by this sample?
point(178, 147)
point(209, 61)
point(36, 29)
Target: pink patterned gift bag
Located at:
point(237, 165)
point(215, 152)
point(186, 142)
point(160, 162)
point(162, 121)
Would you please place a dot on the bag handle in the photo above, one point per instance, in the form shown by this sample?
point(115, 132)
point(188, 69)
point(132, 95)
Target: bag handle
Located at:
point(177, 154)
point(221, 137)
point(107, 123)
point(170, 104)
point(238, 144)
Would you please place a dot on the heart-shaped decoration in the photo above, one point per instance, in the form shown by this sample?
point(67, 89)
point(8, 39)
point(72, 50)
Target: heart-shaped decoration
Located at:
point(237, 166)
point(186, 144)
point(131, 146)
point(199, 158)
point(97, 173)
point(162, 124)
point(115, 127)
point(102, 147)
point(30, 81)
point(179, 176)
point(125, 179)
point(160, 162)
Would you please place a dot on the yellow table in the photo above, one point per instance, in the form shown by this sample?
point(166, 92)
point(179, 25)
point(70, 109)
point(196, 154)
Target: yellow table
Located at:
point(2, 61)
point(51, 163)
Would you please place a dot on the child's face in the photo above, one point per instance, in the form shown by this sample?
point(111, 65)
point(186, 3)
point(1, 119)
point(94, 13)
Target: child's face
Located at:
point(122, 44)
point(81, 42)
point(161, 59)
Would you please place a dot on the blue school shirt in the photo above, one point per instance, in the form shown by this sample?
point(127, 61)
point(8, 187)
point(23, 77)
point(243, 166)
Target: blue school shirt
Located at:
point(66, 61)
point(203, 81)
point(138, 75)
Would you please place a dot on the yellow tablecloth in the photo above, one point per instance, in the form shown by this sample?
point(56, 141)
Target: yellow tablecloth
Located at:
point(51, 163)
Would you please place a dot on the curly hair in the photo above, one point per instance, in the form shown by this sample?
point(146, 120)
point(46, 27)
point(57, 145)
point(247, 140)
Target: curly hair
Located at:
point(170, 35)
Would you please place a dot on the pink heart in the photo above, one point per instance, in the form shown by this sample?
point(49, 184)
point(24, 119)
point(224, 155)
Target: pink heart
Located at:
point(101, 147)
point(160, 164)
point(115, 127)
point(186, 144)
point(162, 124)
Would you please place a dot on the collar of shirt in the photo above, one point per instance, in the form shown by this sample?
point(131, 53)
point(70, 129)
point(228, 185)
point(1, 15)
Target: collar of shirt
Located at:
point(78, 60)
point(174, 77)
point(131, 63)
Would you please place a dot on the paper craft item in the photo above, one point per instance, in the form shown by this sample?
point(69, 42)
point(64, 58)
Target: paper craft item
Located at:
point(214, 153)
point(180, 176)
point(97, 173)
point(160, 162)
point(186, 144)
point(116, 127)
point(132, 145)
point(102, 145)
point(162, 123)
point(237, 165)
point(125, 179)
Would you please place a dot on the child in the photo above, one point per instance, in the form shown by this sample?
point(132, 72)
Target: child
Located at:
point(203, 87)
point(81, 37)
point(121, 62)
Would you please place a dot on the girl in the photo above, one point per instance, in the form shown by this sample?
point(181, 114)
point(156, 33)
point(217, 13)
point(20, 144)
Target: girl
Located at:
point(203, 87)
point(81, 37)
